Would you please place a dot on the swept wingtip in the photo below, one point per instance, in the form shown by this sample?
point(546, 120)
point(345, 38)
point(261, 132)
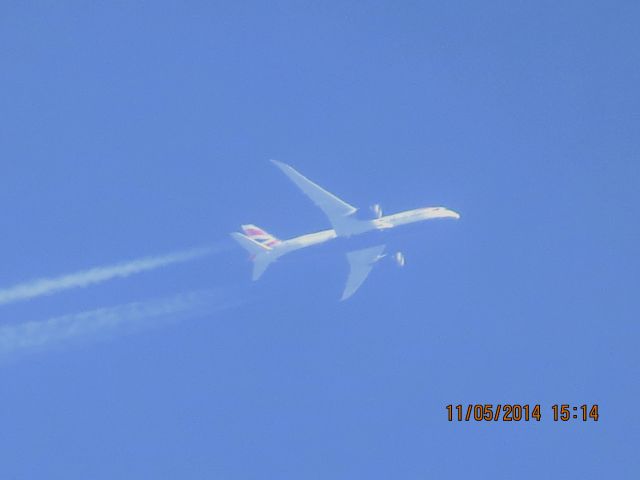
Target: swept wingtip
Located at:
point(286, 168)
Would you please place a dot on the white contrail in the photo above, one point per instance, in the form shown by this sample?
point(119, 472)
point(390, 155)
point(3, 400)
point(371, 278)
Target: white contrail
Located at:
point(47, 286)
point(36, 335)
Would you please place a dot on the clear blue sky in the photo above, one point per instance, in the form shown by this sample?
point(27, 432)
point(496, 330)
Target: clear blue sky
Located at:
point(137, 129)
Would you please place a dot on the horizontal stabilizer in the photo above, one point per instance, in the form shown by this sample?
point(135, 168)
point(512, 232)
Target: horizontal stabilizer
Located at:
point(254, 248)
point(260, 264)
point(261, 255)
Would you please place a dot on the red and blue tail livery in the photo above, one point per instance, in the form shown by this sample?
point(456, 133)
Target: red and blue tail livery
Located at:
point(259, 235)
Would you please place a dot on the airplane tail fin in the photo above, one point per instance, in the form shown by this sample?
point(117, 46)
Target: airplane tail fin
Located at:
point(258, 252)
point(259, 235)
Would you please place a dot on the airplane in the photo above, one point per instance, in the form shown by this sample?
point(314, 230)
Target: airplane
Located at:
point(264, 248)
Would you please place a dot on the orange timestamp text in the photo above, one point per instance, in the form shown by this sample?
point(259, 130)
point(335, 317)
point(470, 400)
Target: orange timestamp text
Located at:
point(514, 412)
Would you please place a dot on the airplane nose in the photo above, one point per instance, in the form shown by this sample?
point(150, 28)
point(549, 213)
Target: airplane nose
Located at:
point(447, 212)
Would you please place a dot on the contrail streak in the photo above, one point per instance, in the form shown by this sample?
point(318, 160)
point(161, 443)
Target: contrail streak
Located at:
point(47, 286)
point(36, 335)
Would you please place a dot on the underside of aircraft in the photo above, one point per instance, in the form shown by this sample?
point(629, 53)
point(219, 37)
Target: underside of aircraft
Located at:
point(264, 248)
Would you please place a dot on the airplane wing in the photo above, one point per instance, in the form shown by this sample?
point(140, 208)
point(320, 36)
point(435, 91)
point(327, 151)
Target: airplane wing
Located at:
point(360, 264)
point(335, 209)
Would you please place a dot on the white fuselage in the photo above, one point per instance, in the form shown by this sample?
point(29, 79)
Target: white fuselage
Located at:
point(264, 248)
point(363, 226)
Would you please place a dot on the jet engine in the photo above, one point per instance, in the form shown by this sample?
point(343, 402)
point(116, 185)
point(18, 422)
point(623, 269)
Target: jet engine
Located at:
point(398, 257)
point(377, 210)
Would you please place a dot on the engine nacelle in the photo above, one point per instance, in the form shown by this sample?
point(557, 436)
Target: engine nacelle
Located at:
point(377, 210)
point(398, 257)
